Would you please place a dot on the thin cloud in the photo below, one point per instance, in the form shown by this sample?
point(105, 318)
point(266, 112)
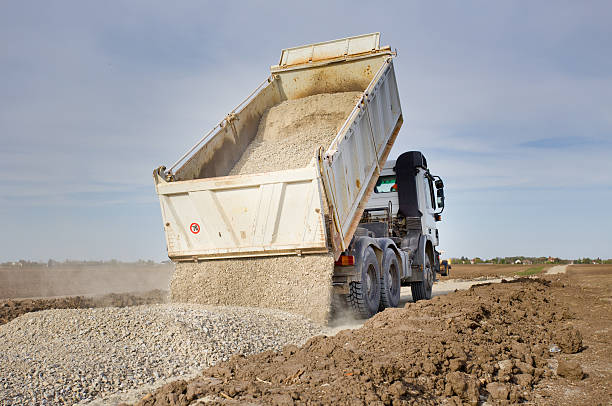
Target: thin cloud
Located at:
point(563, 143)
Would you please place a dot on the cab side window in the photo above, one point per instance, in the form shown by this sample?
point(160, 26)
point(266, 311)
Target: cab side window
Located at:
point(429, 192)
point(385, 184)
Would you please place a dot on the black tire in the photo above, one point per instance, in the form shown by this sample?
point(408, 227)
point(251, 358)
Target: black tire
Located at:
point(422, 290)
point(364, 296)
point(390, 283)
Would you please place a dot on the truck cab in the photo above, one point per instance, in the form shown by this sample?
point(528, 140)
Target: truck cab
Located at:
point(398, 228)
point(422, 196)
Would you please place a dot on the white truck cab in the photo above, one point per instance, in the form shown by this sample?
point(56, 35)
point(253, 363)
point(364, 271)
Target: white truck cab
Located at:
point(399, 227)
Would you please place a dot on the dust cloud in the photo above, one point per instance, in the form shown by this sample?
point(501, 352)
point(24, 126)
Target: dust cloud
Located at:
point(40, 280)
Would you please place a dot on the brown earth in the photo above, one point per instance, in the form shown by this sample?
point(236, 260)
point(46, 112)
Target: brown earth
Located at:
point(490, 343)
point(587, 293)
point(13, 308)
point(467, 271)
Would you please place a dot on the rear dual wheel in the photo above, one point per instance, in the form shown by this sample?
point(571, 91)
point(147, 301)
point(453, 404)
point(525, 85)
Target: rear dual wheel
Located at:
point(390, 281)
point(364, 296)
point(377, 290)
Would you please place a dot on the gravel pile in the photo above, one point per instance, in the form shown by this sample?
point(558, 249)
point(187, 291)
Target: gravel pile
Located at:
point(69, 355)
point(301, 285)
point(290, 132)
point(13, 308)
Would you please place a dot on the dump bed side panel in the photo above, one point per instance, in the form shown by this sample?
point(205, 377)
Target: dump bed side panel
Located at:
point(351, 165)
point(225, 147)
point(251, 215)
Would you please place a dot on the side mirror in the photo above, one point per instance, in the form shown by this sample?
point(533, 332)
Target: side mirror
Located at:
point(439, 184)
point(440, 196)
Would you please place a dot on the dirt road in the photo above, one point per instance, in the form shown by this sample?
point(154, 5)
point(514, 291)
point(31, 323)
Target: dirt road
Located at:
point(557, 270)
point(444, 287)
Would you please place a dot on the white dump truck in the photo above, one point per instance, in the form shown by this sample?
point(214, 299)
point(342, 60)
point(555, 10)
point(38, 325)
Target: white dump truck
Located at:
point(323, 208)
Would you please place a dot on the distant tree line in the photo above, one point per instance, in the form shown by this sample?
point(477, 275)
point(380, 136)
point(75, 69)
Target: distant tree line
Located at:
point(528, 260)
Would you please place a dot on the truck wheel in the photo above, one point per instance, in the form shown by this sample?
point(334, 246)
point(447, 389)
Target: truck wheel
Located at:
point(390, 281)
point(364, 296)
point(422, 290)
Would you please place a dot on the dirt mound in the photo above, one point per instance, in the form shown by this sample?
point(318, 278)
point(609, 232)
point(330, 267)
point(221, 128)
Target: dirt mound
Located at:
point(569, 340)
point(289, 133)
point(491, 341)
point(13, 308)
point(570, 370)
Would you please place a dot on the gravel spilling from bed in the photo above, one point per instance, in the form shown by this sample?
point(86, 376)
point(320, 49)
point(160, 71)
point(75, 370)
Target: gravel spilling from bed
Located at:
point(300, 285)
point(71, 355)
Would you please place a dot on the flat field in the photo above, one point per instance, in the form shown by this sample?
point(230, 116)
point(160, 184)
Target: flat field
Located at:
point(70, 280)
point(461, 271)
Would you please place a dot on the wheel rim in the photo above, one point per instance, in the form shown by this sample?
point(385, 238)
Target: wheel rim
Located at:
point(427, 273)
point(371, 281)
point(394, 280)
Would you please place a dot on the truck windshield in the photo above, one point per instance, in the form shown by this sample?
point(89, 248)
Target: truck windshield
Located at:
point(385, 184)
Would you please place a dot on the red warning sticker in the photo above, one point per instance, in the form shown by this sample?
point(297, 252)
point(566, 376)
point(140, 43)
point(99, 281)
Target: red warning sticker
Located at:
point(195, 228)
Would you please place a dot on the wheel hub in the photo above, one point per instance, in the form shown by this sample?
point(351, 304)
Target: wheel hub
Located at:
point(370, 282)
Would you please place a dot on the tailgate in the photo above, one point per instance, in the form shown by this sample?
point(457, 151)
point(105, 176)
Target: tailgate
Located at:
point(272, 213)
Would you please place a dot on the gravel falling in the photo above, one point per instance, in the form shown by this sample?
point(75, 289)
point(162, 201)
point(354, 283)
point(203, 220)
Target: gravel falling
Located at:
point(67, 356)
point(287, 138)
point(301, 285)
point(290, 132)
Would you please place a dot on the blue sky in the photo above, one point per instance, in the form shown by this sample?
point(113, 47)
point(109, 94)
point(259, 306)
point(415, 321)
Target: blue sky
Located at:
point(510, 102)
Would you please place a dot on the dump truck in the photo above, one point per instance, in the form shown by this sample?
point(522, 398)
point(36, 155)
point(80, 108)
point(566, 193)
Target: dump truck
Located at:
point(445, 267)
point(296, 238)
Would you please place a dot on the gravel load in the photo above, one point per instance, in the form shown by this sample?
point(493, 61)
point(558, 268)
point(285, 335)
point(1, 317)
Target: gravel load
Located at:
point(301, 285)
point(66, 356)
point(290, 132)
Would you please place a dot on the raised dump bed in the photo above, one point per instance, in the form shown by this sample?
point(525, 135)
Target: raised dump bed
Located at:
point(288, 171)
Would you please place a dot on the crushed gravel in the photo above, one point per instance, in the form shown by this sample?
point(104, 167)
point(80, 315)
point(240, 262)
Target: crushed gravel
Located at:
point(13, 308)
point(65, 356)
point(290, 132)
